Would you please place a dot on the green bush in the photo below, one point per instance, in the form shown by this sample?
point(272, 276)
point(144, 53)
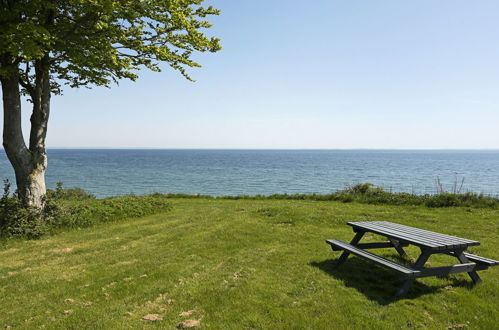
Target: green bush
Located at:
point(467, 199)
point(71, 208)
point(361, 188)
point(16, 220)
point(61, 193)
point(367, 193)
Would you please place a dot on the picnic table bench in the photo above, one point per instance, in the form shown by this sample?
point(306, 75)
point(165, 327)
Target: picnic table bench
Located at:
point(400, 236)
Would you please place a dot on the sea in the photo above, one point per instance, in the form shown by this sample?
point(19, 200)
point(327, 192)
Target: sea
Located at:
point(111, 172)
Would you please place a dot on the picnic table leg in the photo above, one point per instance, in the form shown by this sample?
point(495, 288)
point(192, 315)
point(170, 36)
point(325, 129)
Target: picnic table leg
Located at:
point(396, 245)
point(423, 257)
point(354, 241)
point(473, 274)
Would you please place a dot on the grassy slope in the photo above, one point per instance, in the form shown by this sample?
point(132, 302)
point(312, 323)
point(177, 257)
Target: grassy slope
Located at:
point(241, 264)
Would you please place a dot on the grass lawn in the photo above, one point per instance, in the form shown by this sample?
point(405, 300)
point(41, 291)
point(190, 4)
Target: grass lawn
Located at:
point(233, 264)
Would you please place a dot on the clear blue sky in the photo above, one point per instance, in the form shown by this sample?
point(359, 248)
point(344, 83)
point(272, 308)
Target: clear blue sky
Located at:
point(312, 74)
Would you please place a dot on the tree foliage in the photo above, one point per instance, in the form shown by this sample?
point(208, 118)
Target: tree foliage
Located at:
point(98, 42)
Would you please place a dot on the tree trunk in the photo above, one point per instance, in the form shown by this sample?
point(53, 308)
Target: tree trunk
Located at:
point(29, 164)
point(31, 183)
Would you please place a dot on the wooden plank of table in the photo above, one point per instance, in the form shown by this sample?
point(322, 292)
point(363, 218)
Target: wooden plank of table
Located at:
point(427, 233)
point(373, 227)
point(450, 242)
point(378, 245)
point(397, 235)
point(433, 240)
point(445, 270)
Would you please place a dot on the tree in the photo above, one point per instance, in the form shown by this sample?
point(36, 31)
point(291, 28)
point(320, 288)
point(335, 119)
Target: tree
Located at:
point(48, 44)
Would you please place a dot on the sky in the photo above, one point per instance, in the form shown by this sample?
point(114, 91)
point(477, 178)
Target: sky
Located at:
point(322, 74)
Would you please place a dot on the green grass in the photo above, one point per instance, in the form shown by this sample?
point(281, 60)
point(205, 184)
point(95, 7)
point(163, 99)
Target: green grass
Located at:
point(241, 264)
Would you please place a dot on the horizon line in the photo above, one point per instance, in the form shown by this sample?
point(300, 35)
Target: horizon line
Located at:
point(275, 149)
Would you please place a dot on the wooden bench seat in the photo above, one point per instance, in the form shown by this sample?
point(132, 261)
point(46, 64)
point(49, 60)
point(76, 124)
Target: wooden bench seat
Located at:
point(340, 245)
point(480, 260)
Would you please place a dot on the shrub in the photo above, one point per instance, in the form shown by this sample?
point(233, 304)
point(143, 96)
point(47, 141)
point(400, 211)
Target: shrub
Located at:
point(369, 194)
point(361, 188)
point(16, 220)
point(72, 208)
point(467, 199)
point(67, 194)
point(443, 200)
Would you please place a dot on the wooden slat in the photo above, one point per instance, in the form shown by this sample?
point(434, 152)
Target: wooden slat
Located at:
point(375, 258)
point(450, 243)
point(434, 237)
point(479, 259)
point(397, 235)
point(437, 271)
point(424, 233)
point(421, 237)
point(367, 246)
point(416, 235)
point(377, 245)
point(422, 242)
point(429, 234)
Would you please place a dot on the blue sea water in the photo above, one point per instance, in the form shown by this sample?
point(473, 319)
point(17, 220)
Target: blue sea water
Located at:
point(248, 172)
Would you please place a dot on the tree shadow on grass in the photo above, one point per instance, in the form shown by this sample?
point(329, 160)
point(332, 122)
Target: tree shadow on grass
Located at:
point(377, 283)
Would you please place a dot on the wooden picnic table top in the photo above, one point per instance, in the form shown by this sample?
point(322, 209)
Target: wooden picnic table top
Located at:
point(422, 238)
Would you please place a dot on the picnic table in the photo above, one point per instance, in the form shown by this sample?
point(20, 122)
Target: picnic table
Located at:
point(400, 236)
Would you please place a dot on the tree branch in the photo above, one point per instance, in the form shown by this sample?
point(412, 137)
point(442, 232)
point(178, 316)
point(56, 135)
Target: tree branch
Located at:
point(41, 105)
point(24, 81)
point(13, 140)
